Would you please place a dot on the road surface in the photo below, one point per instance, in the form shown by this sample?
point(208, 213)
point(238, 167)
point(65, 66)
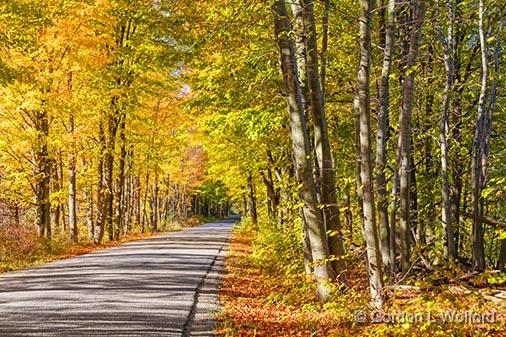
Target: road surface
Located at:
point(162, 286)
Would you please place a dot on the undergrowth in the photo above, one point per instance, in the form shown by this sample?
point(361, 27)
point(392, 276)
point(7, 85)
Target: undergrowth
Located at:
point(21, 247)
point(266, 293)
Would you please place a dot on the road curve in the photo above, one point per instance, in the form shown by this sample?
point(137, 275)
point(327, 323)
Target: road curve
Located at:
point(162, 286)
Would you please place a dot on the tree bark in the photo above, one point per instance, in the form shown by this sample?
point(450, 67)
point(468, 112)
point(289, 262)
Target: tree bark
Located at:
point(382, 135)
point(302, 151)
point(405, 117)
point(373, 256)
point(72, 186)
point(477, 177)
point(56, 206)
point(155, 205)
point(42, 173)
point(99, 225)
point(449, 250)
point(325, 44)
point(323, 151)
point(120, 180)
point(252, 202)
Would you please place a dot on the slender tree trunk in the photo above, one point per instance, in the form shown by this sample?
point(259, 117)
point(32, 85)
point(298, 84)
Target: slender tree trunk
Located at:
point(348, 215)
point(244, 205)
point(17, 220)
point(90, 211)
point(393, 218)
point(299, 32)
point(321, 143)
point(446, 214)
point(458, 160)
point(382, 135)
point(42, 175)
point(373, 256)
point(306, 246)
point(155, 202)
point(144, 203)
point(120, 180)
point(358, 159)
point(56, 205)
point(252, 200)
point(129, 204)
point(325, 44)
point(62, 204)
point(405, 117)
point(72, 186)
point(301, 150)
point(477, 178)
point(271, 194)
point(99, 226)
point(415, 225)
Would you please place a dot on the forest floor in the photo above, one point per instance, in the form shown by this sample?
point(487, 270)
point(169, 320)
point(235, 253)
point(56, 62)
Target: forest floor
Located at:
point(259, 299)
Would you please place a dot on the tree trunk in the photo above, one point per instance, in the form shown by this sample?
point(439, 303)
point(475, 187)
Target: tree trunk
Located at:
point(252, 203)
point(144, 203)
point(138, 198)
point(120, 181)
point(301, 150)
point(72, 186)
point(373, 256)
point(101, 210)
point(42, 176)
point(56, 205)
point(271, 194)
point(393, 218)
point(382, 135)
point(154, 207)
point(299, 32)
point(477, 177)
point(405, 118)
point(90, 212)
point(449, 250)
point(348, 215)
point(325, 44)
point(323, 151)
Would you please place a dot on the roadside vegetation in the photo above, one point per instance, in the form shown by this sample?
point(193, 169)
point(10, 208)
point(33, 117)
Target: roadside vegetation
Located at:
point(21, 247)
point(267, 293)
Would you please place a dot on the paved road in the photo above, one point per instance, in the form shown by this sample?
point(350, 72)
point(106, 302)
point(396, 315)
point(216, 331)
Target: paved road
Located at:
point(162, 286)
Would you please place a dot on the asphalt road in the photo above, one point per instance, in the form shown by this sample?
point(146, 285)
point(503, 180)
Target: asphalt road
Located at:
point(162, 286)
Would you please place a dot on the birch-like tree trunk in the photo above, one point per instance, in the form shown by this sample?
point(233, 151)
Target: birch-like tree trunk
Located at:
point(373, 256)
point(477, 177)
point(56, 206)
point(483, 131)
point(449, 250)
point(382, 135)
point(416, 20)
point(325, 46)
point(301, 150)
point(98, 232)
point(323, 151)
point(120, 180)
point(72, 204)
point(108, 198)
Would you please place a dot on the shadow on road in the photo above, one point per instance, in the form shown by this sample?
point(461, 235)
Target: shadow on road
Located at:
point(162, 286)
